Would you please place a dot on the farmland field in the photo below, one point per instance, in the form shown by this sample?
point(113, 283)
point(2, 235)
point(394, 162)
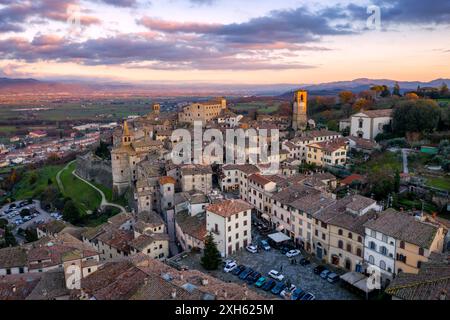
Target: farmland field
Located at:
point(260, 106)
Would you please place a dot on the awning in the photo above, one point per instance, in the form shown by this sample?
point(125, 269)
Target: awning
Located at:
point(357, 280)
point(265, 216)
point(279, 237)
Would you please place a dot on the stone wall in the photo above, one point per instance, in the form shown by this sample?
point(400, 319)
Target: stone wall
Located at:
point(93, 168)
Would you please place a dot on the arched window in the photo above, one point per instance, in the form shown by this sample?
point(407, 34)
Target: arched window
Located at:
point(372, 245)
point(340, 244)
point(402, 244)
point(371, 260)
point(350, 235)
point(359, 252)
point(360, 239)
point(361, 121)
point(349, 247)
point(382, 265)
point(340, 232)
point(383, 250)
point(421, 252)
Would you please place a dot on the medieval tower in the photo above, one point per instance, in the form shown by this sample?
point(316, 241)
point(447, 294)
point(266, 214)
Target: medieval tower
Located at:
point(156, 108)
point(300, 108)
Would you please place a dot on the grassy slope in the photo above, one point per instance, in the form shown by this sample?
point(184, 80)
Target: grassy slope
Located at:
point(25, 190)
point(85, 197)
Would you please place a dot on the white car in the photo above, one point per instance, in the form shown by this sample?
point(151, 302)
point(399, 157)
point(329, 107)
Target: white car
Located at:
point(276, 275)
point(292, 253)
point(252, 248)
point(289, 290)
point(230, 267)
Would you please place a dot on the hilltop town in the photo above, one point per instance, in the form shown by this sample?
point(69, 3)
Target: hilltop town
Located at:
point(351, 202)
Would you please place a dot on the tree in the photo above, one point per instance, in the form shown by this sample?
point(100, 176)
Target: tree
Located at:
point(211, 256)
point(102, 151)
point(397, 181)
point(416, 116)
point(411, 96)
point(31, 235)
point(385, 92)
point(360, 104)
point(346, 97)
point(71, 212)
point(443, 90)
point(396, 90)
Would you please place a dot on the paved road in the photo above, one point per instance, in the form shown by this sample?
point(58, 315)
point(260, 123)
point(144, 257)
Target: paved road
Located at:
point(104, 202)
point(405, 161)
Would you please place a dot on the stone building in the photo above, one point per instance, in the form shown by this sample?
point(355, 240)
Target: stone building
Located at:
point(300, 108)
point(202, 111)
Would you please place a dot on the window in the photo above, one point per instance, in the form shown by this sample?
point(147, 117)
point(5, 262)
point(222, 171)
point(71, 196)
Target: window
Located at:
point(360, 240)
point(373, 233)
point(421, 251)
point(371, 260)
point(402, 244)
point(340, 232)
point(361, 121)
point(384, 238)
point(245, 233)
point(340, 244)
point(237, 235)
point(382, 265)
point(419, 264)
point(383, 251)
point(359, 252)
point(349, 247)
point(372, 245)
point(350, 235)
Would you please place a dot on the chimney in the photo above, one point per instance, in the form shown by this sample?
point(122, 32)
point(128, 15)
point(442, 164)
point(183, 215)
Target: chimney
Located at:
point(174, 294)
point(225, 294)
point(14, 289)
point(204, 282)
point(443, 295)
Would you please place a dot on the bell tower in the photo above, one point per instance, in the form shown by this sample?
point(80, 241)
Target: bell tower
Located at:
point(156, 108)
point(300, 109)
point(126, 136)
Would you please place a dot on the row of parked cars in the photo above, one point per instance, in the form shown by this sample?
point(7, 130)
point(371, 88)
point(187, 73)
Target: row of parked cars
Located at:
point(272, 282)
point(326, 274)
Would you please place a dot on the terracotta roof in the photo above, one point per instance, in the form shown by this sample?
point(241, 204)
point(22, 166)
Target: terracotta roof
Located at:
point(377, 113)
point(18, 287)
point(352, 178)
point(246, 168)
point(404, 226)
point(13, 257)
point(331, 145)
point(195, 226)
point(195, 170)
point(228, 208)
point(144, 240)
point(116, 238)
point(363, 143)
point(120, 219)
point(167, 180)
point(53, 226)
point(431, 283)
point(259, 179)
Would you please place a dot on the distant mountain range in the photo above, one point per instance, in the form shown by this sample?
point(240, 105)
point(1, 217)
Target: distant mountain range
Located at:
point(33, 86)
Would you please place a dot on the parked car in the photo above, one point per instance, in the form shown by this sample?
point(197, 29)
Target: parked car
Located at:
point(278, 288)
point(284, 250)
point(260, 282)
point(333, 277)
point(244, 274)
point(238, 270)
point(253, 277)
point(319, 269)
point(276, 275)
point(252, 248)
point(270, 283)
point(287, 290)
point(228, 261)
point(308, 296)
point(304, 261)
point(230, 267)
point(297, 294)
point(324, 274)
point(292, 253)
point(265, 245)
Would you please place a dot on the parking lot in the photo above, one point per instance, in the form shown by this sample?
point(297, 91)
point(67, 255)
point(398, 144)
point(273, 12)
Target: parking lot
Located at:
point(301, 276)
point(12, 214)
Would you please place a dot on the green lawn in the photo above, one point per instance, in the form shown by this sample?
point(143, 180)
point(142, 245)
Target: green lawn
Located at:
point(25, 189)
point(261, 107)
point(85, 197)
point(439, 182)
point(386, 161)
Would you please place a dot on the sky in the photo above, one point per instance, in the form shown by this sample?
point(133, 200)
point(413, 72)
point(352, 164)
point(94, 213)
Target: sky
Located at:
point(225, 41)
